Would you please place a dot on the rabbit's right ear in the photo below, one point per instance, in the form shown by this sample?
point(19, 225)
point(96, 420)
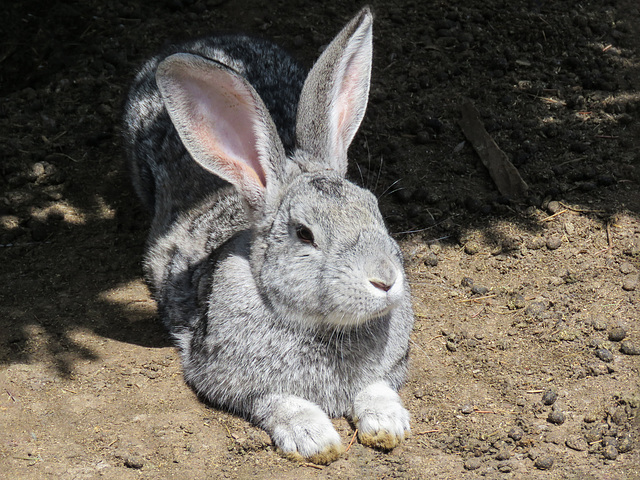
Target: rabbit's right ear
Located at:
point(223, 123)
point(335, 93)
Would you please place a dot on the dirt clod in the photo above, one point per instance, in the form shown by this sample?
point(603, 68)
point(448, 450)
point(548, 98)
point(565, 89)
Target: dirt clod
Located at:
point(544, 462)
point(473, 463)
point(630, 347)
point(604, 354)
point(556, 416)
point(617, 334)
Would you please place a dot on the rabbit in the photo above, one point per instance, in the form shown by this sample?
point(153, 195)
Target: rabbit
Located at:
point(276, 277)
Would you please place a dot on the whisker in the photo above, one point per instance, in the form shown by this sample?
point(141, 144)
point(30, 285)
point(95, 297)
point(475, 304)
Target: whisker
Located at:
point(387, 189)
point(379, 173)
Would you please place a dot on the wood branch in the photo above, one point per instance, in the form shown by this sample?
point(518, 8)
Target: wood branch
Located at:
point(504, 174)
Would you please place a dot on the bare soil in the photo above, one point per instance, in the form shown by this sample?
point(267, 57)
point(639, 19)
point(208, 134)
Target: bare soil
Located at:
point(525, 353)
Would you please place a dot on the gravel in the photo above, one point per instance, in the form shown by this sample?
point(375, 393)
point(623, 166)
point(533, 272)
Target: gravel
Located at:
point(617, 334)
point(544, 462)
point(549, 397)
point(516, 433)
point(610, 452)
point(604, 355)
point(556, 417)
point(473, 463)
point(578, 443)
point(629, 347)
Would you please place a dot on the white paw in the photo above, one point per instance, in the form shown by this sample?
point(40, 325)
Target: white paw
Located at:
point(380, 418)
point(302, 431)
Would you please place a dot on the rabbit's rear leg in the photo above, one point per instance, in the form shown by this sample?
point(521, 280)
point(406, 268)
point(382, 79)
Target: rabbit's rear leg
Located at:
point(380, 418)
point(299, 429)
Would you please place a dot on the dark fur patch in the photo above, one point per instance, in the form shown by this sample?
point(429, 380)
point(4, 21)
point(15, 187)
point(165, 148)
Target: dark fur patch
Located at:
point(328, 186)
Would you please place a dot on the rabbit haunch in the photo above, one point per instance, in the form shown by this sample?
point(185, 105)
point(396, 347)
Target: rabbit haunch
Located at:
point(275, 275)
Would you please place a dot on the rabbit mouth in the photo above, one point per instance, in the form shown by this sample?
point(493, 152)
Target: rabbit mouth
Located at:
point(352, 319)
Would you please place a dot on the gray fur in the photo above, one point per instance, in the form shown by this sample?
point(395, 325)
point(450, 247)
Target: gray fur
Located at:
point(281, 330)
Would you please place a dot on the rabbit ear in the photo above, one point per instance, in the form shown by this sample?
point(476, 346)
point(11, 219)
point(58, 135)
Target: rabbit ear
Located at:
point(223, 123)
point(334, 96)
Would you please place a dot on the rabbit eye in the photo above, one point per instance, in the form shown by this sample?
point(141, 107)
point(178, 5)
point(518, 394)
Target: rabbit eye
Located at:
point(305, 234)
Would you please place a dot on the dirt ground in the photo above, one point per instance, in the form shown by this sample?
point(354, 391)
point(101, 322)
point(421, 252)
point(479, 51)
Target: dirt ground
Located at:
point(525, 352)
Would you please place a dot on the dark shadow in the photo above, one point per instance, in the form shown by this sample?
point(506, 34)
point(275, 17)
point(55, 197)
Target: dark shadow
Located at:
point(557, 88)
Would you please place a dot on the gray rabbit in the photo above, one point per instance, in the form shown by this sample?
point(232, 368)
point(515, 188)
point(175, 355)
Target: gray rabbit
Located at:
point(274, 274)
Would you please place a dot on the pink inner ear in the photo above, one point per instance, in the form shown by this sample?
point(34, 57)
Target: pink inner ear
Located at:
point(224, 123)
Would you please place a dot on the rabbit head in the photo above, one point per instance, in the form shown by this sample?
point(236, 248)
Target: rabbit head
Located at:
point(320, 253)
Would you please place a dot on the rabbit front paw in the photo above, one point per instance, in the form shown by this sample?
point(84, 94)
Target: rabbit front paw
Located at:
point(302, 431)
point(380, 418)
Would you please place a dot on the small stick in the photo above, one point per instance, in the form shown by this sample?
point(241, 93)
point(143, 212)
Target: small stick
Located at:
point(504, 174)
point(313, 465)
point(482, 411)
point(581, 210)
point(550, 217)
point(10, 396)
point(353, 440)
point(534, 391)
point(435, 430)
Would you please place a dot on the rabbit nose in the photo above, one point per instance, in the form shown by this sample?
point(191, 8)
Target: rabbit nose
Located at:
point(385, 276)
point(381, 285)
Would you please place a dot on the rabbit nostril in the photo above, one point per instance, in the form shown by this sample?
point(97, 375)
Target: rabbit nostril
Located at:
point(381, 285)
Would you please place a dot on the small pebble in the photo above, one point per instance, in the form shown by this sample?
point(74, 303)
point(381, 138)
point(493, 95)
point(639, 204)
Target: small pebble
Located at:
point(554, 207)
point(471, 248)
point(627, 268)
point(568, 334)
point(554, 242)
point(549, 397)
point(535, 243)
point(610, 441)
point(516, 302)
point(617, 334)
point(479, 290)
point(431, 260)
point(466, 409)
point(419, 393)
point(503, 454)
point(466, 282)
point(604, 355)
point(133, 461)
point(599, 323)
point(630, 283)
point(625, 443)
point(473, 463)
point(556, 416)
point(578, 443)
point(505, 467)
point(619, 416)
point(594, 434)
point(516, 434)
point(629, 348)
point(544, 462)
point(451, 346)
point(610, 452)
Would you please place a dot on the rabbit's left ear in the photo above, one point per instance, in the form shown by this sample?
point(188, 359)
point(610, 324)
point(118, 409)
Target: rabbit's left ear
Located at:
point(223, 123)
point(334, 96)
